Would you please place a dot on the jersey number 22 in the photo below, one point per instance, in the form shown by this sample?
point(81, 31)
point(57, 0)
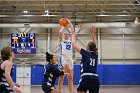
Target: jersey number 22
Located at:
point(68, 47)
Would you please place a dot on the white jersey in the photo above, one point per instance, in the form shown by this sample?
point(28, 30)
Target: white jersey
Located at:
point(66, 53)
point(66, 48)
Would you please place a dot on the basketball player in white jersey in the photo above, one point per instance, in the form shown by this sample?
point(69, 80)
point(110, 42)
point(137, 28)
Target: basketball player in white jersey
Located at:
point(66, 57)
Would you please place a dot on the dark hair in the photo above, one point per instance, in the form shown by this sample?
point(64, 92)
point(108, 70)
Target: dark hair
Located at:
point(49, 56)
point(6, 53)
point(92, 46)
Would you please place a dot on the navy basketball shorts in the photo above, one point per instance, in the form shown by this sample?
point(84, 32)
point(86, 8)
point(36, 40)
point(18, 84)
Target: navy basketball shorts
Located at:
point(3, 89)
point(46, 89)
point(89, 83)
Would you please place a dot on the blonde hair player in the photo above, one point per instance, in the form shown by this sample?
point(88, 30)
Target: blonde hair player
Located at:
point(66, 57)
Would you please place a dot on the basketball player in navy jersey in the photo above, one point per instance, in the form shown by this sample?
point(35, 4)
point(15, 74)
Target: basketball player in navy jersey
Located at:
point(66, 57)
point(89, 79)
point(48, 84)
point(6, 83)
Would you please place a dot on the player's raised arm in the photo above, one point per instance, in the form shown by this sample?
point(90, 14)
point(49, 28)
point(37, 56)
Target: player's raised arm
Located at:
point(92, 31)
point(75, 46)
point(70, 25)
point(61, 33)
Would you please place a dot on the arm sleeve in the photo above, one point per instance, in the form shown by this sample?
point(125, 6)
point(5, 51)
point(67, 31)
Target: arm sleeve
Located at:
point(56, 72)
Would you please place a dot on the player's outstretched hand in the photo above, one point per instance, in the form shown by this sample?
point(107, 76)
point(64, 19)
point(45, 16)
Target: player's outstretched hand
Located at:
point(92, 29)
point(67, 74)
point(17, 85)
point(17, 89)
point(68, 20)
point(66, 67)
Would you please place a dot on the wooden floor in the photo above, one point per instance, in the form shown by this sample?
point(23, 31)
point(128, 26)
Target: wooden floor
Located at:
point(103, 89)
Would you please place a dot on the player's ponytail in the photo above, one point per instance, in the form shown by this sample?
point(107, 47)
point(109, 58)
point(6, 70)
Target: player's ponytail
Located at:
point(92, 47)
point(49, 56)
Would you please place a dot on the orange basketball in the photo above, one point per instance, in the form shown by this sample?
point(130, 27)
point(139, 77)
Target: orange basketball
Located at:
point(63, 22)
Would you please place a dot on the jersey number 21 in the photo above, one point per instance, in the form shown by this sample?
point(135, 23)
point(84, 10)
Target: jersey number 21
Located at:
point(92, 62)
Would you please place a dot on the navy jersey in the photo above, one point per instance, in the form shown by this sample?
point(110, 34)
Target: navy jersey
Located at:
point(88, 61)
point(50, 75)
point(3, 82)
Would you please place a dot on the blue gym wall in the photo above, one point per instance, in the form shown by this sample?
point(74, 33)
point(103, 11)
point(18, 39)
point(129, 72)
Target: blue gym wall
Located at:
point(108, 74)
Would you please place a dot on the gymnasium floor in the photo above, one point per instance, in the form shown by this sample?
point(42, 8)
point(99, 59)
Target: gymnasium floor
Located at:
point(103, 89)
